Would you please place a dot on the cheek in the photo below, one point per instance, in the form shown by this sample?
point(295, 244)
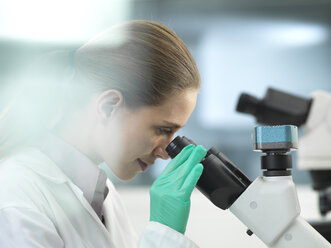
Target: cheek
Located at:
point(109, 142)
point(138, 143)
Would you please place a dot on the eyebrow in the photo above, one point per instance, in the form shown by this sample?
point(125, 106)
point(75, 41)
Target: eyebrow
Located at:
point(171, 124)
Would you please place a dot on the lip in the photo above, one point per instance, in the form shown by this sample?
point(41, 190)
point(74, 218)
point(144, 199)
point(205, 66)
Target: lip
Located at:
point(142, 164)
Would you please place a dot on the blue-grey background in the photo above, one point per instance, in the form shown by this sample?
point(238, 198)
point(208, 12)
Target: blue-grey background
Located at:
point(239, 46)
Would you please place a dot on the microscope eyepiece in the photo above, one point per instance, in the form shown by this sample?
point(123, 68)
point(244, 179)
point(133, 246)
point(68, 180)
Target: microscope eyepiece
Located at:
point(276, 108)
point(177, 145)
point(247, 104)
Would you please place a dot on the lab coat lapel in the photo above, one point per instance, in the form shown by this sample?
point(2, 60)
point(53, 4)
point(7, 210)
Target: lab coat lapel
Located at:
point(117, 220)
point(79, 194)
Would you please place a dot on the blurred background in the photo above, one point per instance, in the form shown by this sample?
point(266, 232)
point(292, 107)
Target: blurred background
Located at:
point(239, 46)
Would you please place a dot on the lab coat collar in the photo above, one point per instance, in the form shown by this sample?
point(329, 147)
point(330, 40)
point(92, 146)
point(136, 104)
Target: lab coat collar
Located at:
point(76, 166)
point(34, 159)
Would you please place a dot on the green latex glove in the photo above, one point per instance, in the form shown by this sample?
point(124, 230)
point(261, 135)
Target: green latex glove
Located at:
point(171, 192)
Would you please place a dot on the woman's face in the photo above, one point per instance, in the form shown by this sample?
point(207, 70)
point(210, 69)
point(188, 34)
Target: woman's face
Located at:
point(134, 139)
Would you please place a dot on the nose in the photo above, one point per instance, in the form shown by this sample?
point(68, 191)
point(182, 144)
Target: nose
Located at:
point(160, 152)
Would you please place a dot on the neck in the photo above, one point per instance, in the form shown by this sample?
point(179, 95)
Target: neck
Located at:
point(76, 131)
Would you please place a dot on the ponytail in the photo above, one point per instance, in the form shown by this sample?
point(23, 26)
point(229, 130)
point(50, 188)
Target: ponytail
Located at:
point(37, 103)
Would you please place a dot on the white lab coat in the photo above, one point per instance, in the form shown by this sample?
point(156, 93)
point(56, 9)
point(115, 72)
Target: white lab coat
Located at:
point(41, 207)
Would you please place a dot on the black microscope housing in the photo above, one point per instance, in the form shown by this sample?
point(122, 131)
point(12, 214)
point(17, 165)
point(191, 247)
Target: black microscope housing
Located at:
point(221, 181)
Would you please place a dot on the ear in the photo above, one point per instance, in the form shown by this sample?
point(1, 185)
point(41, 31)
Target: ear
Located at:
point(107, 102)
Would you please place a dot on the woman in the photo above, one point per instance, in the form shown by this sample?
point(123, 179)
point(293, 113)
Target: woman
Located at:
point(119, 100)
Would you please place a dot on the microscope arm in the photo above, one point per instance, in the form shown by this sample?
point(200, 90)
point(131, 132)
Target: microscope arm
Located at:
point(314, 151)
point(270, 209)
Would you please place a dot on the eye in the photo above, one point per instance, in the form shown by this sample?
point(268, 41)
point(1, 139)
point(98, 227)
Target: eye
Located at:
point(164, 131)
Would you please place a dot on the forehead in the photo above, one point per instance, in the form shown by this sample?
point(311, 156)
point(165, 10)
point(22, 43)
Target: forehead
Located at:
point(176, 109)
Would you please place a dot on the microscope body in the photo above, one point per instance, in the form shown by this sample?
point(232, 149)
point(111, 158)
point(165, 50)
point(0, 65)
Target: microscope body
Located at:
point(314, 117)
point(315, 144)
point(269, 207)
point(314, 153)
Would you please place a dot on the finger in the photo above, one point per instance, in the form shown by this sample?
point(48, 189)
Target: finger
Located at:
point(183, 170)
point(178, 160)
point(197, 155)
point(191, 180)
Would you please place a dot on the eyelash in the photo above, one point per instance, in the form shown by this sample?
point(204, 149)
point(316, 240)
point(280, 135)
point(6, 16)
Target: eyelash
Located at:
point(165, 131)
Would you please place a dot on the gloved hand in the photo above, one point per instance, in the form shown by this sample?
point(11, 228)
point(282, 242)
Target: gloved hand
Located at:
point(171, 192)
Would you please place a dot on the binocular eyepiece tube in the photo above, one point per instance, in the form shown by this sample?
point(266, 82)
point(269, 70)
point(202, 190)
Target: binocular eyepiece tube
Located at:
point(221, 181)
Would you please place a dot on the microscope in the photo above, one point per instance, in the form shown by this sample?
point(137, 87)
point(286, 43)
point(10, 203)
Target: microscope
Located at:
point(269, 205)
point(314, 153)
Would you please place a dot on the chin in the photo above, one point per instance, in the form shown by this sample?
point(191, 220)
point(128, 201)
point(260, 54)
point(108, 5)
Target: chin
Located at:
point(126, 175)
